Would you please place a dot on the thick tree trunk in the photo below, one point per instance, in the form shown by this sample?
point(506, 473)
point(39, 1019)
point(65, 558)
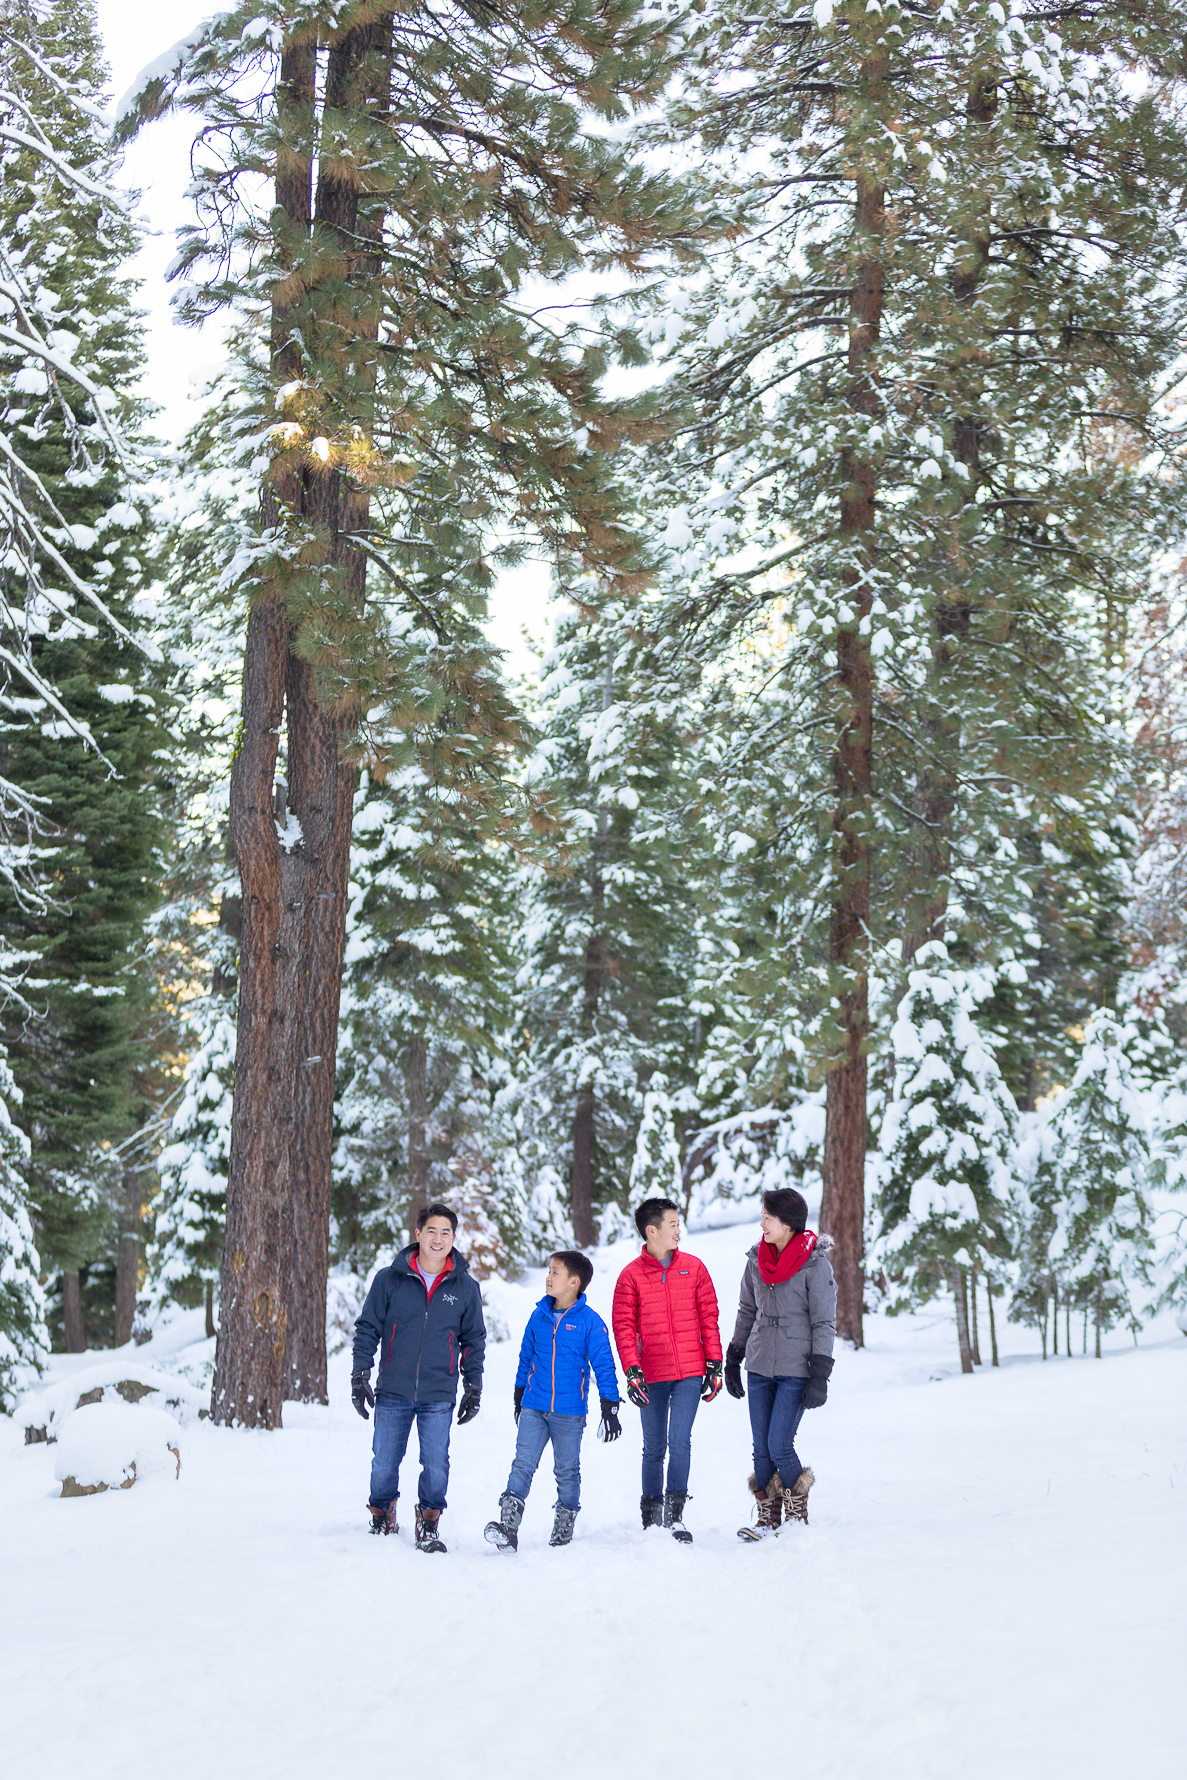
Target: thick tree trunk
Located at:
point(210, 1328)
point(127, 1256)
point(843, 1204)
point(72, 1313)
point(321, 786)
point(253, 1309)
point(959, 1288)
point(415, 1075)
point(992, 1324)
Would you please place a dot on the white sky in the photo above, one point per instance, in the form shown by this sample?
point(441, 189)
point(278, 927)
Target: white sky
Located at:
point(180, 360)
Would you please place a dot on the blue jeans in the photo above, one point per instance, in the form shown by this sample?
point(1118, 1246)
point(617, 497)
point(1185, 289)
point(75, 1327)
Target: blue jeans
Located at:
point(776, 1408)
point(667, 1428)
point(536, 1428)
point(394, 1417)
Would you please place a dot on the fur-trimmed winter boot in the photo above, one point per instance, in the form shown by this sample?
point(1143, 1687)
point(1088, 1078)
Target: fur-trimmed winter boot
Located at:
point(562, 1526)
point(383, 1520)
point(795, 1499)
point(674, 1516)
point(770, 1509)
point(427, 1522)
point(652, 1510)
point(504, 1532)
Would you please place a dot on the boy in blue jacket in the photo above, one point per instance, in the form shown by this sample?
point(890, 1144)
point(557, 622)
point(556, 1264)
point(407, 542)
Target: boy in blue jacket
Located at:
point(563, 1339)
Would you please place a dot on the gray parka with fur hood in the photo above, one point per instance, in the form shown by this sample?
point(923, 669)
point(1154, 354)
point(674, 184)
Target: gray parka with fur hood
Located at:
point(780, 1326)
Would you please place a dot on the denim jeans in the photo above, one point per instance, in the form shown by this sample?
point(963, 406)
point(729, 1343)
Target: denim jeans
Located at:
point(394, 1417)
point(667, 1428)
point(776, 1408)
point(536, 1428)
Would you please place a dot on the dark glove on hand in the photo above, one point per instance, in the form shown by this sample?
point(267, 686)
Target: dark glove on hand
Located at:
point(471, 1398)
point(636, 1387)
point(734, 1355)
point(609, 1427)
point(816, 1389)
point(361, 1393)
point(519, 1391)
point(711, 1383)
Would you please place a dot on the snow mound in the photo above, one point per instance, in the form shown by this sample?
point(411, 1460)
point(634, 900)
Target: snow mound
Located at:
point(113, 1446)
point(108, 1382)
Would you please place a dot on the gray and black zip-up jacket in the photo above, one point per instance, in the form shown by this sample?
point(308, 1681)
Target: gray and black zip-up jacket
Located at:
point(780, 1326)
point(424, 1343)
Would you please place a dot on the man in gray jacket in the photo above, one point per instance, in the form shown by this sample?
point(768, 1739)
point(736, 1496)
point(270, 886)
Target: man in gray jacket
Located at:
point(787, 1322)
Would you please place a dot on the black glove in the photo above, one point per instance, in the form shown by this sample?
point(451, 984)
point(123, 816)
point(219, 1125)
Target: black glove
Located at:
point(361, 1393)
point(636, 1387)
point(734, 1355)
point(711, 1383)
point(610, 1427)
point(471, 1398)
point(519, 1391)
point(816, 1389)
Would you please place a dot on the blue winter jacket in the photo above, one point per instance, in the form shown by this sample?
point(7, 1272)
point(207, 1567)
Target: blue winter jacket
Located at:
point(424, 1343)
point(555, 1359)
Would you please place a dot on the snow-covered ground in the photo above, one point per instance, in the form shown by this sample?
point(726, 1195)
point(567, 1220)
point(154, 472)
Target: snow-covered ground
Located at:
point(993, 1584)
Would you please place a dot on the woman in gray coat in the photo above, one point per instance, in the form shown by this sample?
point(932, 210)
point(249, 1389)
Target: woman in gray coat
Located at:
point(787, 1322)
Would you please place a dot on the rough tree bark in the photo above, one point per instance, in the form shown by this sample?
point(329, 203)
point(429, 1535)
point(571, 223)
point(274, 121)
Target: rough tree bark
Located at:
point(842, 1212)
point(321, 784)
point(959, 1289)
point(72, 1312)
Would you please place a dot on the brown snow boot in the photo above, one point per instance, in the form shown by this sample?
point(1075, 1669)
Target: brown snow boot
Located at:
point(427, 1521)
point(770, 1509)
point(795, 1499)
point(383, 1520)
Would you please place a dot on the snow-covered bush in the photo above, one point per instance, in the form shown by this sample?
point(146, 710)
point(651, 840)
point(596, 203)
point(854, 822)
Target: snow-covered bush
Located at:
point(24, 1341)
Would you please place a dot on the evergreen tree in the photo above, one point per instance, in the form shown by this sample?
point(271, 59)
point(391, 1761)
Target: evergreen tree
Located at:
point(411, 405)
point(24, 1338)
point(86, 711)
point(608, 945)
point(947, 1140)
point(1090, 1190)
point(918, 442)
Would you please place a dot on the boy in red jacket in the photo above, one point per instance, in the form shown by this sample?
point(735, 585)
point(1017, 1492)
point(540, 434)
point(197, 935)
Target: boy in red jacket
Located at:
point(665, 1329)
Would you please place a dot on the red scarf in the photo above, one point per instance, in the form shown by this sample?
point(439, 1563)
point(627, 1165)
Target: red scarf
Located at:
point(775, 1267)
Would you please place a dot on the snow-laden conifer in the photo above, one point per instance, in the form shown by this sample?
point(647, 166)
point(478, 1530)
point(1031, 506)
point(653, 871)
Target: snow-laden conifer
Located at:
point(24, 1338)
point(946, 1196)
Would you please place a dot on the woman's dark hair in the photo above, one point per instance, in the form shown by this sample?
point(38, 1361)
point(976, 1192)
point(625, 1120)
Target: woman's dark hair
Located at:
point(651, 1212)
point(788, 1206)
point(436, 1210)
point(575, 1263)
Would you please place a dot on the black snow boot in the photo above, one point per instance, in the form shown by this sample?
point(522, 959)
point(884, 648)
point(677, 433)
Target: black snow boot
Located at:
point(504, 1532)
point(674, 1517)
point(562, 1526)
point(652, 1510)
point(383, 1520)
point(427, 1522)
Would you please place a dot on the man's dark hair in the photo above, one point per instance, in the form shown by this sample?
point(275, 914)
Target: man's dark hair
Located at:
point(788, 1206)
point(436, 1210)
point(575, 1263)
point(650, 1212)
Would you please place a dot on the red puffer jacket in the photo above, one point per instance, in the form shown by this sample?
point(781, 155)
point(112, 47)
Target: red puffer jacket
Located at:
point(666, 1321)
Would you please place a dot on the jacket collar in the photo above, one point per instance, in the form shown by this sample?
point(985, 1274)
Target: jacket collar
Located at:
point(649, 1260)
point(547, 1304)
point(402, 1262)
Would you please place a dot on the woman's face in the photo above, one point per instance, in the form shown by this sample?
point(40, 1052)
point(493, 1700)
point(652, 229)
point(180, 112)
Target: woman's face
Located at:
point(775, 1230)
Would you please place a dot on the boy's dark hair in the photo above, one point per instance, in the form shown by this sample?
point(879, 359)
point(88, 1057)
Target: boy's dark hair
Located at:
point(788, 1206)
point(575, 1263)
point(436, 1210)
point(650, 1212)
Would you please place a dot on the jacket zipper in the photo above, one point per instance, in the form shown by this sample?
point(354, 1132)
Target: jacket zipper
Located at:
point(552, 1404)
point(668, 1302)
